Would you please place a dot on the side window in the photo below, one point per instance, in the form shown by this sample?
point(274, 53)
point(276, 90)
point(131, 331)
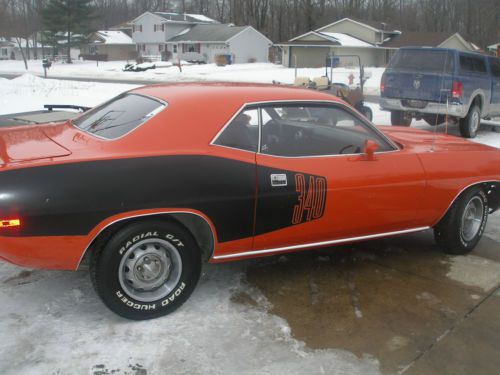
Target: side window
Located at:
point(243, 131)
point(315, 130)
point(495, 67)
point(472, 64)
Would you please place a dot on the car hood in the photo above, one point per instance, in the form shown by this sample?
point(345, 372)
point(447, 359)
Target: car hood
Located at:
point(28, 143)
point(422, 140)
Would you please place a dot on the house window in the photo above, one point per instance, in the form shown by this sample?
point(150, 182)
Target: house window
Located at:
point(191, 47)
point(141, 47)
point(133, 28)
point(136, 28)
point(4, 52)
point(174, 48)
point(161, 47)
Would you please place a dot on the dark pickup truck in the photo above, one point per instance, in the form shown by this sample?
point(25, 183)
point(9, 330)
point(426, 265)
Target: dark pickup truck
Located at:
point(432, 83)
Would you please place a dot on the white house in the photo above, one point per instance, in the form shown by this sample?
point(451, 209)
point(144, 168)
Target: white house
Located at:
point(374, 42)
point(7, 49)
point(196, 37)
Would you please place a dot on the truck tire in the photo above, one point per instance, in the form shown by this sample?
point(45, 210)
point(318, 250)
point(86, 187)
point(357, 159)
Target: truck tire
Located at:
point(146, 270)
point(469, 125)
point(433, 119)
point(463, 225)
point(367, 112)
point(400, 118)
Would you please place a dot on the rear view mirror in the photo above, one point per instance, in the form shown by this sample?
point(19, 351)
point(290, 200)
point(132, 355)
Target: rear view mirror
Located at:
point(369, 149)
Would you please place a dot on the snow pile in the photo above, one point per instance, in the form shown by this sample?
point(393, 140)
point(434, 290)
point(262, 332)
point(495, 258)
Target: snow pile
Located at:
point(30, 93)
point(56, 324)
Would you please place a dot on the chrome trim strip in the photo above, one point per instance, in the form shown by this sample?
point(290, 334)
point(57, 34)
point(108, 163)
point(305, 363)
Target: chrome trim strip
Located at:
point(317, 244)
point(460, 193)
point(142, 215)
point(340, 104)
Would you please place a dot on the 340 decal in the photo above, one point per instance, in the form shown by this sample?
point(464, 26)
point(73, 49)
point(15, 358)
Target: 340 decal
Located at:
point(311, 199)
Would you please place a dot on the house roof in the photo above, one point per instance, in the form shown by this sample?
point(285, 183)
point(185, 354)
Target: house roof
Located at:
point(127, 25)
point(417, 39)
point(373, 25)
point(333, 39)
point(493, 47)
point(208, 33)
point(191, 18)
point(111, 37)
point(346, 40)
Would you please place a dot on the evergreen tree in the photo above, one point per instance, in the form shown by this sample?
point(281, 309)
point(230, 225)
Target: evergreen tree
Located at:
point(68, 20)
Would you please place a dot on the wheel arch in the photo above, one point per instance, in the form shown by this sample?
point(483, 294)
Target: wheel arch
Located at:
point(492, 190)
point(198, 225)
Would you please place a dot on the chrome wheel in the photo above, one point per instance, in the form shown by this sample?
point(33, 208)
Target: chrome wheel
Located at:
point(472, 219)
point(475, 121)
point(150, 270)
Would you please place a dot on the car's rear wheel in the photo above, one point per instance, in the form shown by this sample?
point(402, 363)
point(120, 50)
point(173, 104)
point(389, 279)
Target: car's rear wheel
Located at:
point(147, 269)
point(400, 118)
point(463, 225)
point(469, 125)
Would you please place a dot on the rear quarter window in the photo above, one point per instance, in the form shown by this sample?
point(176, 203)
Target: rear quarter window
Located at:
point(472, 64)
point(119, 116)
point(495, 67)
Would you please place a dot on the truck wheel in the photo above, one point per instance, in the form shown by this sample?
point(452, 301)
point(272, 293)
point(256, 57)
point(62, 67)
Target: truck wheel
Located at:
point(469, 125)
point(463, 225)
point(367, 112)
point(433, 119)
point(146, 270)
point(400, 118)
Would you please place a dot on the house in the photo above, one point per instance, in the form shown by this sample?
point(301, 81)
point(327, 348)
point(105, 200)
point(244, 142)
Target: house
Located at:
point(494, 49)
point(195, 37)
point(109, 45)
point(7, 49)
point(374, 42)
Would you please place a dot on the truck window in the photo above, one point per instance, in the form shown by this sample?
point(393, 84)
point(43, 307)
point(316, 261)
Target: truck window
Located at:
point(472, 64)
point(495, 67)
point(422, 60)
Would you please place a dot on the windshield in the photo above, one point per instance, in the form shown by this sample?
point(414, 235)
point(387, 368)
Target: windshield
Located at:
point(422, 60)
point(119, 116)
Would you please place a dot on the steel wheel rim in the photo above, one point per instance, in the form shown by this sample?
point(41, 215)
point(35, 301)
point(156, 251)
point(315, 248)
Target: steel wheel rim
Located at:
point(475, 121)
point(150, 269)
point(472, 218)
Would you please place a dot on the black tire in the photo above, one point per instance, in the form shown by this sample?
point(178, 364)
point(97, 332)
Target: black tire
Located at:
point(469, 125)
point(450, 233)
point(400, 118)
point(367, 112)
point(160, 240)
point(434, 119)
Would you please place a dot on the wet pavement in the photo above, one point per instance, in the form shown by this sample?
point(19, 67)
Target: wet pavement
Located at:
point(400, 300)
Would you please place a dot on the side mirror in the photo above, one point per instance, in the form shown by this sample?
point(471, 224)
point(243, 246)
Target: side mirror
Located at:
point(369, 149)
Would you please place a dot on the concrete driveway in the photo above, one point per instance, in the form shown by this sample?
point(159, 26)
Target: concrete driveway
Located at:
point(389, 307)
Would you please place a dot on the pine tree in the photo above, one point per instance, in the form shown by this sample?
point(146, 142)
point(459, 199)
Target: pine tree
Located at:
point(68, 20)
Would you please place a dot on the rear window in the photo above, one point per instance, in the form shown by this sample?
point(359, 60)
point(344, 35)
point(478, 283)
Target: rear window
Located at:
point(119, 116)
point(472, 64)
point(423, 60)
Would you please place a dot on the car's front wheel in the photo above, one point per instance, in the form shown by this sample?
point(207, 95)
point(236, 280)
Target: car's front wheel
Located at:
point(147, 269)
point(463, 225)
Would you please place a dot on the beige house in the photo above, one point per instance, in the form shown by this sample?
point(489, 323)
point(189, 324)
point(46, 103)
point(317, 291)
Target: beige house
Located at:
point(373, 42)
point(109, 45)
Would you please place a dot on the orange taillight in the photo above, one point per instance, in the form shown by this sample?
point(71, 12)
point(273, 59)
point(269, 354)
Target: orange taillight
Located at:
point(10, 223)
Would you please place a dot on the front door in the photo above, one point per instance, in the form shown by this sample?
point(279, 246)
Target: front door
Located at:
point(315, 184)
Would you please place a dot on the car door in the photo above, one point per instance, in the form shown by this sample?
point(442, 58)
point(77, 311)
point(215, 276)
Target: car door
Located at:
point(315, 185)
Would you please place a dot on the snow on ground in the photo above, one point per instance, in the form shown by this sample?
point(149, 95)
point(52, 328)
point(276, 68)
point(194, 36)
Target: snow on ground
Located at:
point(52, 322)
point(257, 72)
point(30, 93)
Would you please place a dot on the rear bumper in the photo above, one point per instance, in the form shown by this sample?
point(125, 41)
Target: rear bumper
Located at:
point(51, 252)
point(457, 110)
